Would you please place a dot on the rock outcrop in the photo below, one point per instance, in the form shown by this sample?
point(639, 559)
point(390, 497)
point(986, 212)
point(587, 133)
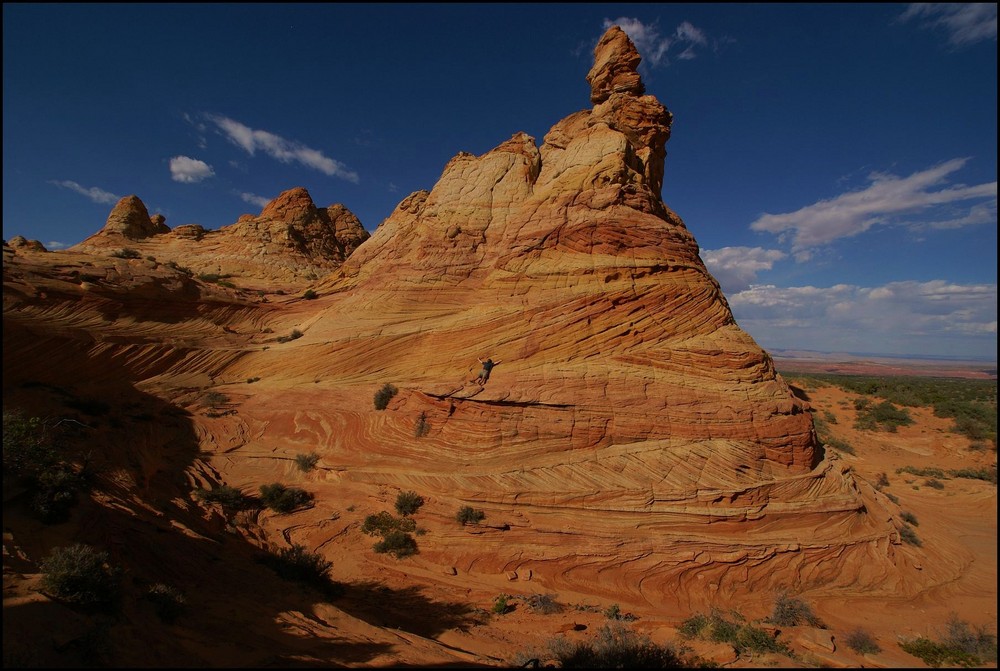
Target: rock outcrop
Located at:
point(290, 240)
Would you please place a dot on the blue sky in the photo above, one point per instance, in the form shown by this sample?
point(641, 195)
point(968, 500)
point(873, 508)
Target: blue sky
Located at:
point(835, 162)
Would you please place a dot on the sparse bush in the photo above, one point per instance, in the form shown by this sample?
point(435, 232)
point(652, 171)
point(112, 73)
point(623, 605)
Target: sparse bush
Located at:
point(298, 564)
point(862, 642)
point(383, 523)
point(545, 604)
point(988, 474)
point(910, 518)
point(398, 543)
point(27, 446)
point(790, 611)
point(31, 457)
point(934, 483)
point(469, 515)
point(884, 415)
point(306, 462)
point(614, 612)
point(168, 602)
point(501, 604)
point(294, 335)
point(81, 575)
point(882, 481)
point(282, 499)
point(310, 295)
point(615, 647)
point(228, 497)
point(408, 503)
point(56, 493)
point(384, 395)
point(979, 643)
point(251, 380)
point(892, 497)
point(126, 253)
point(743, 636)
point(939, 654)
point(214, 399)
point(422, 427)
point(909, 536)
point(839, 444)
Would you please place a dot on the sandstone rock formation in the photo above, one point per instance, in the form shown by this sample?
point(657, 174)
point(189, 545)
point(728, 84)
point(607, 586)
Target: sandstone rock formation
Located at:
point(291, 240)
point(634, 444)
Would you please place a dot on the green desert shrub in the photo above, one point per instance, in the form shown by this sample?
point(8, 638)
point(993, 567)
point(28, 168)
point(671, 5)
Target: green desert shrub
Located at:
point(743, 636)
point(862, 642)
point(382, 523)
point(228, 497)
point(282, 499)
point(31, 458)
point(395, 533)
point(397, 543)
point(615, 647)
point(384, 395)
point(297, 564)
point(55, 493)
point(501, 604)
point(469, 515)
point(27, 445)
point(790, 611)
point(294, 335)
point(909, 518)
point(960, 646)
point(169, 603)
point(81, 575)
point(408, 503)
point(909, 536)
point(885, 416)
point(310, 295)
point(934, 483)
point(306, 462)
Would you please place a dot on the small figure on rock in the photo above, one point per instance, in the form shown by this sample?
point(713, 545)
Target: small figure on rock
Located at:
point(484, 374)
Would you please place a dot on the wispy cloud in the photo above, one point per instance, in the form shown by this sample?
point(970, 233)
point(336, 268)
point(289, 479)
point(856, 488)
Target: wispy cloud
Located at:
point(653, 46)
point(900, 317)
point(964, 23)
point(287, 151)
point(736, 268)
point(881, 203)
point(189, 170)
point(93, 193)
point(254, 199)
point(55, 244)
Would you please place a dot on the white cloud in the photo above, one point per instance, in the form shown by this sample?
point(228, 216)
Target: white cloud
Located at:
point(54, 245)
point(189, 170)
point(931, 318)
point(881, 203)
point(736, 268)
point(254, 199)
point(281, 149)
point(93, 193)
point(653, 46)
point(965, 23)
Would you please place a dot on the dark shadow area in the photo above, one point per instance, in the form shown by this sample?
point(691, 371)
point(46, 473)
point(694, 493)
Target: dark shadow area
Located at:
point(142, 512)
point(383, 606)
point(799, 393)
